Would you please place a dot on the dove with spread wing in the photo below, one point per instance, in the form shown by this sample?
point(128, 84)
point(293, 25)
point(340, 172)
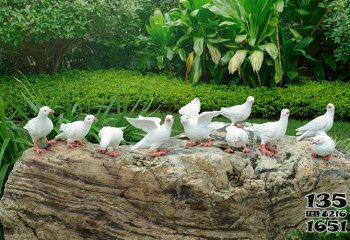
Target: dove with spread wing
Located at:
point(157, 134)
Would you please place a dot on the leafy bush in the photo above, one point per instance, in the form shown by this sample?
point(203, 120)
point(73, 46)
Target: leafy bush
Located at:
point(337, 29)
point(40, 34)
point(93, 89)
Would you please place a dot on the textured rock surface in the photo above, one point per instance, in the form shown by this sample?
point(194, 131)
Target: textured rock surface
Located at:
point(188, 194)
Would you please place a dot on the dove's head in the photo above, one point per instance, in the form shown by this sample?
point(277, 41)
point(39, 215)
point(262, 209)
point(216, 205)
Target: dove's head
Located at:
point(169, 119)
point(184, 119)
point(250, 99)
point(285, 113)
point(45, 111)
point(90, 119)
point(330, 107)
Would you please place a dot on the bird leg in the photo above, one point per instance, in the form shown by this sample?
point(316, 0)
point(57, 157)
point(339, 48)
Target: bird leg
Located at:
point(326, 158)
point(209, 143)
point(239, 126)
point(37, 149)
point(71, 145)
point(158, 152)
point(113, 153)
point(229, 150)
point(314, 155)
point(100, 150)
point(271, 149)
point(80, 143)
point(246, 150)
point(193, 144)
point(264, 150)
point(52, 142)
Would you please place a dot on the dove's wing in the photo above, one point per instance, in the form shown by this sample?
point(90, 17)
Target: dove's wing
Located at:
point(268, 130)
point(154, 119)
point(146, 124)
point(206, 117)
point(31, 126)
point(235, 112)
point(191, 109)
point(317, 124)
point(69, 129)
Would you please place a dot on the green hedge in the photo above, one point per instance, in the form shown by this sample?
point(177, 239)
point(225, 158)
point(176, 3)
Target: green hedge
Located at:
point(91, 89)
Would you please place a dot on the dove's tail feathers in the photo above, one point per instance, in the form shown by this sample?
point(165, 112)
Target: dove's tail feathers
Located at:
point(299, 138)
point(299, 133)
point(137, 145)
point(218, 125)
point(304, 135)
point(59, 137)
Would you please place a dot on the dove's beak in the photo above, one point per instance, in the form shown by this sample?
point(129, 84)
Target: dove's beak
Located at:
point(95, 120)
point(313, 142)
point(51, 111)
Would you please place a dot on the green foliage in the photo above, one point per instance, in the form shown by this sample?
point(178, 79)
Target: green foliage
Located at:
point(260, 40)
point(337, 29)
point(39, 35)
point(93, 89)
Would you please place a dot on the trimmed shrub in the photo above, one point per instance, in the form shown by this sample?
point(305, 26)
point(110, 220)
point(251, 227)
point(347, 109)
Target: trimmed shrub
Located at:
point(92, 89)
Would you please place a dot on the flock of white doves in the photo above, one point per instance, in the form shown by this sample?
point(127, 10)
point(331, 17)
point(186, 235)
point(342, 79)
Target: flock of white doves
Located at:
point(198, 128)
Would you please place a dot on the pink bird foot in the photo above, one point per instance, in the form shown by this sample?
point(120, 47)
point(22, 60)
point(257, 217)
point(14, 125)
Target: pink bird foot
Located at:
point(193, 144)
point(326, 158)
point(100, 150)
point(71, 145)
point(246, 150)
point(114, 153)
point(271, 149)
point(38, 150)
point(209, 143)
point(52, 142)
point(265, 151)
point(80, 143)
point(158, 153)
point(239, 126)
point(229, 150)
point(314, 155)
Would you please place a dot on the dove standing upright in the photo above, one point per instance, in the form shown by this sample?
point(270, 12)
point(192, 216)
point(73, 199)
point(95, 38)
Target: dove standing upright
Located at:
point(110, 137)
point(76, 131)
point(197, 126)
point(238, 113)
point(157, 135)
point(322, 145)
point(320, 124)
point(39, 128)
point(237, 138)
point(271, 131)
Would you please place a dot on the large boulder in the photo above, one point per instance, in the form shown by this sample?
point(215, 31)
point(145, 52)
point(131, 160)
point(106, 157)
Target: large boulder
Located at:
point(188, 194)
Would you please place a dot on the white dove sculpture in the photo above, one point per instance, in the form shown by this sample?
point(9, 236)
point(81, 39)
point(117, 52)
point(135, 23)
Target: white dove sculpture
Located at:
point(157, 135)
point(76, 131)
point(271, 131)
point(320, 124)
point(236, 138)
point(238, 113)
point(322, 145)
point(39, 128)
point(110, 137)
point(197, 126)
